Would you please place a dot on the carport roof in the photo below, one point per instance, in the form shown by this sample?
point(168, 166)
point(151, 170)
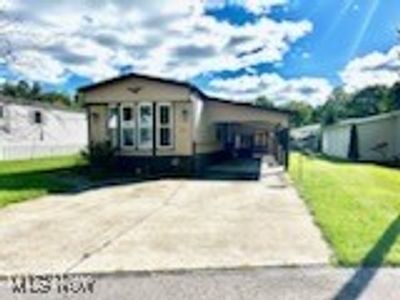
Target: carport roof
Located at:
point(188, 85)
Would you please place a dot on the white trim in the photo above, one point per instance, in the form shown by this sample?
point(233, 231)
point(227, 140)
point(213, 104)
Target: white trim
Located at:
point(128, 125)
point(170, 125)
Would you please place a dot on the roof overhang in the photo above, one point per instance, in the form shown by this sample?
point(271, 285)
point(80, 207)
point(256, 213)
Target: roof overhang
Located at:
point(184, 84)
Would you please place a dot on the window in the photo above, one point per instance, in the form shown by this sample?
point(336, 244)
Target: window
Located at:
point(2, 112)
point(112, 127)
point(128, 126)
point(37, 117)
point(145, 118)
point(165, 125)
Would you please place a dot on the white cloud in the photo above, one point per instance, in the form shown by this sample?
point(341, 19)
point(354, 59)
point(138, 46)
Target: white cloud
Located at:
point(376, 68)
point(253, 6)
point(314, 91)
point(94, 38)
point(36, 66)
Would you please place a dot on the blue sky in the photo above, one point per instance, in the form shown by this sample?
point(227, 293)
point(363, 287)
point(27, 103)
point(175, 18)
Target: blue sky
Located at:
point(239, 49)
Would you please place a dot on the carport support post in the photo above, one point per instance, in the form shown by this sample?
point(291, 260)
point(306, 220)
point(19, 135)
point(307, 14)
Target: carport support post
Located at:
point(285, 146)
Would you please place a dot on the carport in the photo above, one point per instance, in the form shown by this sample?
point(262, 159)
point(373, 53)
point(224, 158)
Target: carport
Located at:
point(254, 139)
point(244, 131)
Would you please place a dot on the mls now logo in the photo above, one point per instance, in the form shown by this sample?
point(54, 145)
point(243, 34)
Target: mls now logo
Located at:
point(44, 284)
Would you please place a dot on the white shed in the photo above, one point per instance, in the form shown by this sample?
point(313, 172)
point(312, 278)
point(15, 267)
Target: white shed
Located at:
point(378, 138)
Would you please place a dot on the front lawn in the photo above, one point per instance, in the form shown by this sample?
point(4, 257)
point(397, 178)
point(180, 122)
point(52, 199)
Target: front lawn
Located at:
point(356, 205)
point(26, 179)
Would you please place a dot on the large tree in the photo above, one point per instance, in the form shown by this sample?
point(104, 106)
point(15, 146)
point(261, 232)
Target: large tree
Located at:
point(33, 92)
point(370, 101)
point(395, 96)
point(263, 101)
point(302, 113)
point(335, 108)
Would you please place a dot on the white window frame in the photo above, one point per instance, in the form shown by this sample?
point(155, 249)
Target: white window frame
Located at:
point(160, 126)
point(128, 125)
point(142, 126)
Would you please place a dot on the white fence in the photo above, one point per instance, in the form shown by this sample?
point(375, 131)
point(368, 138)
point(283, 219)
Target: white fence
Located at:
point(13, 151)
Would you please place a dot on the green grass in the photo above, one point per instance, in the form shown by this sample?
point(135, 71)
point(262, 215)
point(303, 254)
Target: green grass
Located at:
point(27, 179)
point(356, 205)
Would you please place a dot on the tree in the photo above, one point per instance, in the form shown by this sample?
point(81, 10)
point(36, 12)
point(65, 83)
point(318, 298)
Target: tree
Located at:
point(370, 101)
point(395, 96)
point(56, 98)
point(34, 92)
point(302, 113)
point(335, 108)
point(263, 101)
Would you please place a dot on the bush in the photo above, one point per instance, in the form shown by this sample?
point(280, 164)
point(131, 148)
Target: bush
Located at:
point(100, 155)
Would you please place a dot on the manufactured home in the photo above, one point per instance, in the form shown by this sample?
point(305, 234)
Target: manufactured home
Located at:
point(375, 138)
point(167, 126)
point(31, 129)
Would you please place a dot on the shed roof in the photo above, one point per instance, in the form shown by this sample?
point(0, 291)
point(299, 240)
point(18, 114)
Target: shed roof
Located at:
point(37, 104)
point(355, 121)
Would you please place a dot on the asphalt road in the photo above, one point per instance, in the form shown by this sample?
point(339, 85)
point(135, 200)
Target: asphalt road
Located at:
point(309, 283)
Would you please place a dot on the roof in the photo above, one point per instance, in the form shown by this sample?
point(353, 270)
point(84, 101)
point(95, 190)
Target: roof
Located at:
point(305, 131)
point(37, 104)
point(93, 86)
point(356, 121)
point(185, 84)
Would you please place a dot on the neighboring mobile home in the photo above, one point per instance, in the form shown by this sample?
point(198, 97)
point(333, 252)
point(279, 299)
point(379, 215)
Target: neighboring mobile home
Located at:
point(31, 129)
point(169, 126)
point(375, 138)
point(306, 138)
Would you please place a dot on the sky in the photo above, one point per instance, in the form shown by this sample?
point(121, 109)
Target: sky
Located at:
point(235, 49)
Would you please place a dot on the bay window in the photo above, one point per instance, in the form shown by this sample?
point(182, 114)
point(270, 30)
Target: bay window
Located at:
point(137, 125)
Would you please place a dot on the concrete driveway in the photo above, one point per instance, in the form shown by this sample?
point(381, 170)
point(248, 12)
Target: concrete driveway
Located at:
point(161, 225)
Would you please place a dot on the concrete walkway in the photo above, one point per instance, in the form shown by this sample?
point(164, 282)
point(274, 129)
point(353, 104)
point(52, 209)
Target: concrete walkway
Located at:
point(162, 225)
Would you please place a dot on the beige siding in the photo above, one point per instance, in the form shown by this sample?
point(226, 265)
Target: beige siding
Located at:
point(97, 124)
point(335, 141)
point(148, 90)
point(225, 112)
point(204, 129)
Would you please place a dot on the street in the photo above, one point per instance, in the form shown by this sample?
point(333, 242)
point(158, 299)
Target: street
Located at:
point(313, 282)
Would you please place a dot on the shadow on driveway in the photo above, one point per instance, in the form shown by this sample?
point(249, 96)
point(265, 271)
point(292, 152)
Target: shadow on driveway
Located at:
point(370, 264)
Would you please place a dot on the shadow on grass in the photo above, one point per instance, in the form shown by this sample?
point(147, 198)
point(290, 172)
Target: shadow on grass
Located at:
point(385, 164)
point(355, 286)
point(63, 180)
point(80, 178)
